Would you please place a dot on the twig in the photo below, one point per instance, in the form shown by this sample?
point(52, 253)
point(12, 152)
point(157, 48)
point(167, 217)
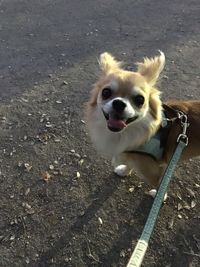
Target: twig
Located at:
point(23, 223)
point(89, 250)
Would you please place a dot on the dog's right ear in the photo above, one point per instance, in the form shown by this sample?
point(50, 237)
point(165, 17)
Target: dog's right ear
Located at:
point(151, 68)
point(108, 63)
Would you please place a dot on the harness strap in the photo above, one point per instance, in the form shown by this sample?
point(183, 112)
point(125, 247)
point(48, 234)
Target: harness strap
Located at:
point(154, 147)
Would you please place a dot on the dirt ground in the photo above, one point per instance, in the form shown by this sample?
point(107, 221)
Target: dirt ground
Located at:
point(60, 203)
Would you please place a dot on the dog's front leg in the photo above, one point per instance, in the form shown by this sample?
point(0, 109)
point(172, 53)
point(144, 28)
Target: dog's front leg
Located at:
point(120, 165)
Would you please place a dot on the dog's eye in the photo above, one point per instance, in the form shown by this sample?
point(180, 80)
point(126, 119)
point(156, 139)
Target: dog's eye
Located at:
point(106, 93)
point(138, 100)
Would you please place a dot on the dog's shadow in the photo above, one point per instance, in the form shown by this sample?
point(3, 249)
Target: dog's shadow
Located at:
point(99, 196)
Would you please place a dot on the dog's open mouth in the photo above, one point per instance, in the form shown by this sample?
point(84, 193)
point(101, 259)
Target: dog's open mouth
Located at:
point(117, 123)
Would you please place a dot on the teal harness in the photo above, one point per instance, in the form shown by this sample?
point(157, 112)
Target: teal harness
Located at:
point(154, 147)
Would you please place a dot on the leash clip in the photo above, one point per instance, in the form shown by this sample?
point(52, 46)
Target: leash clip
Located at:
point(184, 124)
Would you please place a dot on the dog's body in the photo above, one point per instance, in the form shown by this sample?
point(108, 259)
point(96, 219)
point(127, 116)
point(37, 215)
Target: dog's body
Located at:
point(125, 112)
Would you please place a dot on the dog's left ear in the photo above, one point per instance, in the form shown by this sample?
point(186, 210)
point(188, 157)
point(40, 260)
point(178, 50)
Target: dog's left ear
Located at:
point(151, 68)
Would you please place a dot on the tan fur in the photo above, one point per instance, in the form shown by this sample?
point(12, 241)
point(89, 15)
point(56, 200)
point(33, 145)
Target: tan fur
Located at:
point(116, 145)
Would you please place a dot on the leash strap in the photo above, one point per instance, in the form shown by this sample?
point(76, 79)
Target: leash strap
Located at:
point(142, 244)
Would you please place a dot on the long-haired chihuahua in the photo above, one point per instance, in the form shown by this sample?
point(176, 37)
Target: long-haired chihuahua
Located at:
point(128, 122)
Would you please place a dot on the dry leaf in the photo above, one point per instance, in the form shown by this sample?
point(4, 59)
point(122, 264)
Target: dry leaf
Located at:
point(46, 176)
point(179, 196)
point(171, 223)
point(190, 192)
point(179, 206)
point(28, 167)
point(27, 191)
point(81, 162)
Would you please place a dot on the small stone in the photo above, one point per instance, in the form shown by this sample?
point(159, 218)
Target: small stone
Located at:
point(67, 122)
point(65, 82)
point(27, 191)
point(180, 216)
point(131, 189)
point(26, 205)
point(58, 102)
point(48, 125)
point(67, 259)
point(51, 167)
point(78, 175)
point(193, 204)
point(12, 237)
point(139, 185)
point(27, 261)
point(20, 164)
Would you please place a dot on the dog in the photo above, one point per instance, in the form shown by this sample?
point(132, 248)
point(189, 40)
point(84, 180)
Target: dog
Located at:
point(126, 119)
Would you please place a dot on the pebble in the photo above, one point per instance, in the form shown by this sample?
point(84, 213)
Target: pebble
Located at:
point(100, 220)
point(51, 167)
point(12, 237)
point(131, 189)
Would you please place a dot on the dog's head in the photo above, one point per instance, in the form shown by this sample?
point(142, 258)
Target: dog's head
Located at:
point(126, 97)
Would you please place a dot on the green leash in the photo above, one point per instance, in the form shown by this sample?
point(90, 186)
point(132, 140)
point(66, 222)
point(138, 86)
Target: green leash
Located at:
point(142, 244)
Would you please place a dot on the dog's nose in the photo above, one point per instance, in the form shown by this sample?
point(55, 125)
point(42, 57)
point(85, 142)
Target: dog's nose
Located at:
point(118, 105)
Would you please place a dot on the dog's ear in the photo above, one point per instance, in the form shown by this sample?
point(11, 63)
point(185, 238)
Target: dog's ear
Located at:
point(151, 68)
point(108, 63)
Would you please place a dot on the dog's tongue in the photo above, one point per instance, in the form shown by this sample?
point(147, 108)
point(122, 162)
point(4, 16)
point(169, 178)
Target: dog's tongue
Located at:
point(116, 123)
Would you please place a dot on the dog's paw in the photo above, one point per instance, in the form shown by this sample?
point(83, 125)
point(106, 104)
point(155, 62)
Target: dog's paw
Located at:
point(121, 170)
point(153, 193)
